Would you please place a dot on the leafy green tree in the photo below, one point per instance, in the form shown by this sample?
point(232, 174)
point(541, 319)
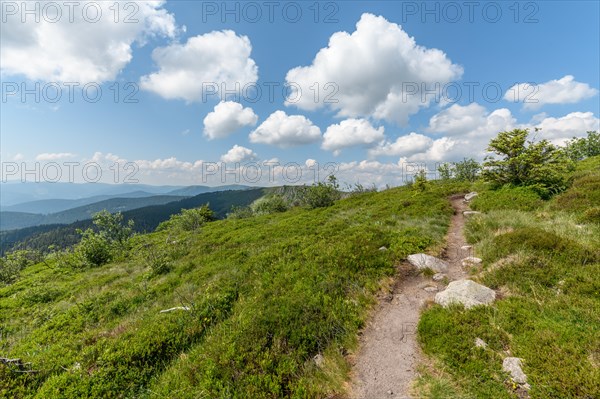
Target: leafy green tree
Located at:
point(420, 183)
point(322, 194)
point(94, 249)
point(97, 248)
point(539, 165)
point(445, 171)
point(467, 170)
point(579, 148)
point(111, 226)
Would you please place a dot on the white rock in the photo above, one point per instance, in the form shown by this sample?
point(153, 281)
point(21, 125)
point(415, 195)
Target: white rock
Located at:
point(465, 292)
point(466, 247)
point(423, 261)
point(470, 196)
point(438, 276)
point(471, 261)
point(431, 289)
point(383, 249)
point(471, 213)
point(479, 343)
point(319, 359)
point(512, 365)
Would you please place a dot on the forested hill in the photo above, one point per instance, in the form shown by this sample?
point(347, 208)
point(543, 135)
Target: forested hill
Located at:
point(145, 219)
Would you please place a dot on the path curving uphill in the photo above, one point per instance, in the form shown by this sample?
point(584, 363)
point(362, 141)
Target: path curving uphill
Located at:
point(386, 363)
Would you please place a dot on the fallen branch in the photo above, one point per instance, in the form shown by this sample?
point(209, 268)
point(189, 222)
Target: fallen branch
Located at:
point(17, 363)
point(175, 308)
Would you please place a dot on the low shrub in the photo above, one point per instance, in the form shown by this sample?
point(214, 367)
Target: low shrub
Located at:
point(272, 204)
point(507, 197)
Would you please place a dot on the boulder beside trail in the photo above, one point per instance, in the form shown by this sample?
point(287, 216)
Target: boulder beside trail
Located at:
point(471, 261)
point(471, 213)
point(467, 293)
point(423, 261)
point(470, 196)
point(512, 365)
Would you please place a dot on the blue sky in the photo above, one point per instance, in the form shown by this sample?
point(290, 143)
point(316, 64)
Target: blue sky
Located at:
point(552, 44)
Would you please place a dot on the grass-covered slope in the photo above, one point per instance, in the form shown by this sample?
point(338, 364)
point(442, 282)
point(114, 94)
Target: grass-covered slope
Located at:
point(265, 295)
point(544, 260)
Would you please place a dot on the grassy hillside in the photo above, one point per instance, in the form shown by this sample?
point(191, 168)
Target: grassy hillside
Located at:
point(265, 295)
point(543, 257)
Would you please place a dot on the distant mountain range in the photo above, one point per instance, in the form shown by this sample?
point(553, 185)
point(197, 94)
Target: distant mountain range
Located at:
point(18, 193)
point(145, 218)
point(18, 220)
point(48, 206)
point(67, 210)
point(12, 193)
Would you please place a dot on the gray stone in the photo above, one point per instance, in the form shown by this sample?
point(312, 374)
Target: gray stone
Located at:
point(471, 213)
point(383, 248)
point(423, 261)
point(471, 261)
point(470, 196)
point(438, 276)
point(466, 247)
point(467, 293)
point(431, 289)
point(319, 359)
point(479, 343)
point(512, 365)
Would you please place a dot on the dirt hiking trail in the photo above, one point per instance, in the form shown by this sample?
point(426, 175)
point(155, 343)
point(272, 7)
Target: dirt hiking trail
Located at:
point(386, 364)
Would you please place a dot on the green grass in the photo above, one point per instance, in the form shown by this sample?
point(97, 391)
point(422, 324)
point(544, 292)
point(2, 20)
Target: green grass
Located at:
point(544, 260)
point(266, 294)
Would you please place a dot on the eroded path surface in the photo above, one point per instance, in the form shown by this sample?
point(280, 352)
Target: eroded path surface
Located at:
point(386, 363)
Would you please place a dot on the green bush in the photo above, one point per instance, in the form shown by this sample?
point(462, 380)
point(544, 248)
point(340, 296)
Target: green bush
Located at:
point(322, 194)
point(240, 212)
point(584, 193)
point(157, 259)
point(94, 249)
point(189, 219)
point(113, 229)
point(272, 204)
point(583, 147)
point(111, 239)
point(420, 182)
point(539, 165)
point(12, 263)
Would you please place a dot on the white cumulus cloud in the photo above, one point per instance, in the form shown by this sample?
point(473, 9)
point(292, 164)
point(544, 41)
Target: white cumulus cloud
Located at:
point(458, 119)
point(78, 51)
point(218, 60)
point(575, 124)
point(404, 146)
point(558, 91)
point(350, 133)
point(378, 70)
point(284, 130)
point(53, 156)
point(238, 154)
point(227, 117)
